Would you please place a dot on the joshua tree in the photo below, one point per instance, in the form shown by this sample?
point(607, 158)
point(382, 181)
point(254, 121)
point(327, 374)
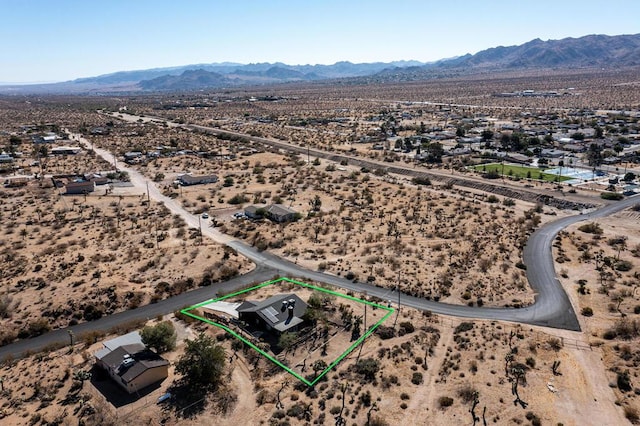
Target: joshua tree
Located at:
point(374, 407)
point(279, 405)
point(508, 359)
point(340, 421)
point(81, 376)
point(518, 374)
point(474, 403)
point(315, 203)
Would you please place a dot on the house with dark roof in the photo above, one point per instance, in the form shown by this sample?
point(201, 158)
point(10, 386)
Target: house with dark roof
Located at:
point(277, 314)
point(279, 213)
point(186, 180)
point(80, 187)
point(130, 364)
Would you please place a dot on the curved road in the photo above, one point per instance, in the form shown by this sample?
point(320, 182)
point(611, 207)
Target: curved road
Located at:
point(551, 308)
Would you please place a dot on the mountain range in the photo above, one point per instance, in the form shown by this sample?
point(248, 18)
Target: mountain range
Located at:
point(592, 51)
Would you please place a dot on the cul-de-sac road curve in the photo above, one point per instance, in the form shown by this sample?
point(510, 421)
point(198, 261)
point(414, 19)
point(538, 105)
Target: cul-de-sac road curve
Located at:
point(551, 308)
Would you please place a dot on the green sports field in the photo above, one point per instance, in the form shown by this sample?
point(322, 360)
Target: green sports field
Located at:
point(521, 172)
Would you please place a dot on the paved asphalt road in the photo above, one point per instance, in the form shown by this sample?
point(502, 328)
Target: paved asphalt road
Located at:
point(551, 308)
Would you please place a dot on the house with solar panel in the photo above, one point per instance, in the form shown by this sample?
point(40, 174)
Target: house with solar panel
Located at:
point(130, 364)
point(277, 314)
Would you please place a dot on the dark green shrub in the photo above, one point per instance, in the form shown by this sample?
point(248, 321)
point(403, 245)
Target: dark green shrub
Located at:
point(297, 410)
point(279, 414)
point(365, 399)
point(587, 311)
point(462, 327)
point(624, 329)
point(385, 332)
point(467, 393)
point(611, 196)
point(405, 328)
point(624, 381)
point(417, 378)
point(238, 199)
point(368, 367)
point(445, 401)
point(591, 228)
point(419, 180)
point(624, 266)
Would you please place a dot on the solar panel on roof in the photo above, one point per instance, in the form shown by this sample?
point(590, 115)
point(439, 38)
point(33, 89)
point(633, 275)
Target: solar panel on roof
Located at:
point(270, 313)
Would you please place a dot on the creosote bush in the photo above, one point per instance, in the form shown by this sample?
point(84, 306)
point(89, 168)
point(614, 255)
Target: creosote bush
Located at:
point(587, 311)
point(445, 401)
point(591, 228)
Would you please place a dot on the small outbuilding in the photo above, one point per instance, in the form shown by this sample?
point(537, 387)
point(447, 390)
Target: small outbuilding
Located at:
point(254, 212)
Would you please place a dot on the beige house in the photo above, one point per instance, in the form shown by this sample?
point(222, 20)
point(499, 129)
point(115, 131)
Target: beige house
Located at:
point(130, 364)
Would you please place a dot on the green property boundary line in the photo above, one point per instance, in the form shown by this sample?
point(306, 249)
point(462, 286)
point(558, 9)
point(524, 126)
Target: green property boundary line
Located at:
point(389, 310)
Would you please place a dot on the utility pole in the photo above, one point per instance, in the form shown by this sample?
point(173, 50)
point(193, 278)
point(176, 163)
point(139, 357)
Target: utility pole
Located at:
point(398, 311)
point(200, 227)
point(157, 242)
point(365, 314)
point(148, 197)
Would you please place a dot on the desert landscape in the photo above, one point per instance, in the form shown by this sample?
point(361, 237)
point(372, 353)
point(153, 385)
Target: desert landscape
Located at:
point(122, 212)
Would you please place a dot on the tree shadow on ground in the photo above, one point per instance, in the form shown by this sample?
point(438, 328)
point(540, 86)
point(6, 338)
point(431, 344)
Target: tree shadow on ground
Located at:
point(187, 401)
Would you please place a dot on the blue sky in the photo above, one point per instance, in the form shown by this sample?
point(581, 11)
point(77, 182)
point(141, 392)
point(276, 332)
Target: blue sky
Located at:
point(57, 40)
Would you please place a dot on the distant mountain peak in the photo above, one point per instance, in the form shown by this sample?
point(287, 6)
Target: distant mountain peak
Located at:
point(595, 50)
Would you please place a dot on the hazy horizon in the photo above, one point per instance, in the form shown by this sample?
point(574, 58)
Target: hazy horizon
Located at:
point(54, 41)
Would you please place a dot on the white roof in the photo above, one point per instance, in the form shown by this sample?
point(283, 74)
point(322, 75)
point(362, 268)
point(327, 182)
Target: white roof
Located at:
point(224, 307)
point(127, 339)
